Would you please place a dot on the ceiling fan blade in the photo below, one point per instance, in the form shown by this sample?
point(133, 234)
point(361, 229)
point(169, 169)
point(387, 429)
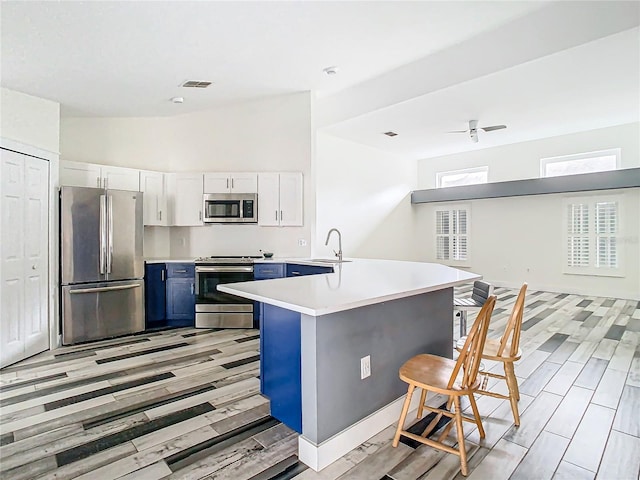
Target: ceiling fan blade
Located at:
point(493, 127)
point(458, 131)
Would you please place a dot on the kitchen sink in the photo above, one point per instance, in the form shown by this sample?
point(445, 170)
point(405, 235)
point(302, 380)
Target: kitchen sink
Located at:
point(328, 260)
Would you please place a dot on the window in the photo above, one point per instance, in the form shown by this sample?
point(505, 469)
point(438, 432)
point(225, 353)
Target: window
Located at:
point(581, 163)
point(452, 234)
point(467, 176)
point(592, 236)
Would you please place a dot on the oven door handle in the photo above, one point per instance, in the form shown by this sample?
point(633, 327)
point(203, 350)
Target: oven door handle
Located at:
point(223, 269)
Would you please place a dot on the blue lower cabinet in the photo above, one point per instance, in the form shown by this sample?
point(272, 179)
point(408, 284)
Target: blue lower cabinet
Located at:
point(155, 294)
point(180, 298)
point(294, 270)
point(280, 368)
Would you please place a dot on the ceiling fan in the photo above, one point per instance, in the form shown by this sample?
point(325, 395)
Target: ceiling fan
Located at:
point(473, 129)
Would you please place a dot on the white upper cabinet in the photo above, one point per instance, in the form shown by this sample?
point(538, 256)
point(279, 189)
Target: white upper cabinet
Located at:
point(152, 184)
point(280, 199)
point(119, 178)
point(78, 174)
point(185, 193)
point(230, 183)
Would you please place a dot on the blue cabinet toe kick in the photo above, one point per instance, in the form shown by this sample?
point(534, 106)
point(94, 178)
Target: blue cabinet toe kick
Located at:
point(280, 372)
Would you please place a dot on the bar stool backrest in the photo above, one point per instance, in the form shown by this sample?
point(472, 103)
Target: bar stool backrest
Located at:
point(481, 291)
point(511, 335)
point(471, 352)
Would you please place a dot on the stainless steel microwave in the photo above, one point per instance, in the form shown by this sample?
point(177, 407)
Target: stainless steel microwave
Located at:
point(230, 208)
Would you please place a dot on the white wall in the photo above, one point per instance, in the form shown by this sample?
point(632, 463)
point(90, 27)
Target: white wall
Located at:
point(364, 193)
point(30, 120)
point(522, 160)
point(520, 239)
point(272, 134)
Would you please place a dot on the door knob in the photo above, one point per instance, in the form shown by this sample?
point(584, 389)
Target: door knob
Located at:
point(33, 267)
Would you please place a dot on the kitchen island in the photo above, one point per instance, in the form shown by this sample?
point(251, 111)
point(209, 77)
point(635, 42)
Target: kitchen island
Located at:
point(318, 330)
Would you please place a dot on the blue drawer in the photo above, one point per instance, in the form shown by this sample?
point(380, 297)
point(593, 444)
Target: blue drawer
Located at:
point(181, 270)
point(263, 271)
point(294, 270)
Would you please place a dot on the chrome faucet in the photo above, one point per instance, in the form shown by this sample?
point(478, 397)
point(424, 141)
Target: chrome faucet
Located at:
point(339, 252)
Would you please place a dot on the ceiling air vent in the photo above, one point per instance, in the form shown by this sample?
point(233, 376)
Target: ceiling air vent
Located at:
point(390, 134)
point(195, 84)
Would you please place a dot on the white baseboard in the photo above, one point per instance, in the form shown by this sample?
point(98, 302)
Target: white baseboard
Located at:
point(319, 456)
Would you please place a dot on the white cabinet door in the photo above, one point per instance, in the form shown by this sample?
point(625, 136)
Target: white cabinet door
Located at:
point(185, 191)
point(24, 257)
point(152, 184)
point(269, 199)
point(244, 182)
point(230, 183)
point(217, 183)
point(119, 178)
point(291, 211)
point(78, 174)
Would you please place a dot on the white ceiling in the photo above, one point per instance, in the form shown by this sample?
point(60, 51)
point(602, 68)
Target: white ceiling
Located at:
point(107, 58)
point(420, 68)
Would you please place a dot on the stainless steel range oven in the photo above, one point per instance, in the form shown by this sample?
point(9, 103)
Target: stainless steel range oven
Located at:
point(215, 309)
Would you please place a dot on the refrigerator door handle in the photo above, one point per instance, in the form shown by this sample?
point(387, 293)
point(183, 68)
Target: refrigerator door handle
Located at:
point(104, 289)
point(103, 232)
point(110, 233)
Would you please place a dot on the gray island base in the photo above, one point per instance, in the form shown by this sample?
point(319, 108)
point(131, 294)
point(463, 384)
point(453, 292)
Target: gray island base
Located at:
point(311, 352)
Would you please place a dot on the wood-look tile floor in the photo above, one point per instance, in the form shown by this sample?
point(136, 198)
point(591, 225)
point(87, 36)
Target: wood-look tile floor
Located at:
point(185, 404)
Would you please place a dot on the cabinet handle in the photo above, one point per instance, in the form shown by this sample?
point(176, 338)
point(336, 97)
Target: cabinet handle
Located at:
point(276, 215)
point(192, 288)
point(232, 183)
point(98, 181)
point(280, 215)
point(180, 271)
point(227, 183)
point(200, 215)
point(160, 215)
point(162, 275)
point(295, 273)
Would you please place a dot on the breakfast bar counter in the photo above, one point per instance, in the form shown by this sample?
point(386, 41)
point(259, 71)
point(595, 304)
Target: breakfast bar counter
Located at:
point(318, 332)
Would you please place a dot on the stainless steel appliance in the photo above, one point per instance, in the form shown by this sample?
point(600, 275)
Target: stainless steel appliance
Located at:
point(219, 309)
point(101, 263)
point(230, 208)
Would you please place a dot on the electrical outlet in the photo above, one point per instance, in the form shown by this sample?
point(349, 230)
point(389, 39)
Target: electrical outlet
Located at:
point(302, 242)
point(365, 367)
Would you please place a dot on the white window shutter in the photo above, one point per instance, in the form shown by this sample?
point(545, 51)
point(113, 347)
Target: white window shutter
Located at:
point(606, 229)
point(452, 241)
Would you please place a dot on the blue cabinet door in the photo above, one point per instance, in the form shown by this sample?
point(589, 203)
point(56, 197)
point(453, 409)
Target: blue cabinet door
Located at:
point(294, 270)
point(181, 301)
point(155, 275)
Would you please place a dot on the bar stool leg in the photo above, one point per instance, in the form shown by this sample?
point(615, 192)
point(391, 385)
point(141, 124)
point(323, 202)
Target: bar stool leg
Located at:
point(463, 323)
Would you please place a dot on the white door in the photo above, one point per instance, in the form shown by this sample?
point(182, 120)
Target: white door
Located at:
point(120, 178)
point(186, 195)
point(36, 267)
point(24, 257)
point(244, 183)
point(217, 183)
point(269, 199)
point(154, 200)
point(291, 201)
point(78, 174)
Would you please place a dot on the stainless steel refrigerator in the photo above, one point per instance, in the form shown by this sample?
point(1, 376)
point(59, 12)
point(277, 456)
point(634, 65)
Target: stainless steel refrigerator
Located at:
point(101, 263)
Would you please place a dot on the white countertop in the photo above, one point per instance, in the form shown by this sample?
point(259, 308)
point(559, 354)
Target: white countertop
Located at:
point(168, 260)
point(353, 284)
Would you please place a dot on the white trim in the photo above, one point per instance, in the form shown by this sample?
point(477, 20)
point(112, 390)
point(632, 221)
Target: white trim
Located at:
point(319, 456)
point(579, 156)
point(440, 175)
point(19, 147)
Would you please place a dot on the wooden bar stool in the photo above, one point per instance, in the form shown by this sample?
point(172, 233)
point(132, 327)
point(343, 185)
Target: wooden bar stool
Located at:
point(452, 378)
point(481, 291)
point(507, 351)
